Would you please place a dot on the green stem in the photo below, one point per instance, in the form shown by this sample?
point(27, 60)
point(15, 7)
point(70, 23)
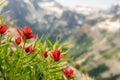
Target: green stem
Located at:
point(2, 71)
point(19, 64)
point(48, 72)
point(0, 38)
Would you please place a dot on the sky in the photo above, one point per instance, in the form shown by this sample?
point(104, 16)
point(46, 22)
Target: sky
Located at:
point(104, 4)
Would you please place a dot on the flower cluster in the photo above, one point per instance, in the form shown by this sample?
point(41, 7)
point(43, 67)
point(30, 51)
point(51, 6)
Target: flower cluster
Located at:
point(56, 55)
point(3, 29)
point(45, 53)
point(18, 40)
point(26, 33)
point(68, 72)
point(49, 58)
point(30, 49)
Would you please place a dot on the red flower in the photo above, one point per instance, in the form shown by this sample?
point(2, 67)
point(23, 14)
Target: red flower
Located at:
point(18, 40)
point(3, 29)
point(45, 53)
point(68, 72)
point(26, 32)
point(30, 49)
point(56, 55)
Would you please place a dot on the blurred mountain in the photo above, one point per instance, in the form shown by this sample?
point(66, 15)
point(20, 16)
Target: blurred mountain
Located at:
point(115, 9)
point(94, 34)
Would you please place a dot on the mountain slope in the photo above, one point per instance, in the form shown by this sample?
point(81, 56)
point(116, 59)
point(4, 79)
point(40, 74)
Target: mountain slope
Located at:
point(94, 34)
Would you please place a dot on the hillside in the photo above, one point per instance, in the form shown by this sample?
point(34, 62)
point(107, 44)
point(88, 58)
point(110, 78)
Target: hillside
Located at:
point(94, 34)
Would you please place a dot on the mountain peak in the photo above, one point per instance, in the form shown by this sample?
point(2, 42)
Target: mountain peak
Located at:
point(116, 4)
point(115, 8)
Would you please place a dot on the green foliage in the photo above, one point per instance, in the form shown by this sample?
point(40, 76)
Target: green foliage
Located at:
point(16, 64)
point(1, 19)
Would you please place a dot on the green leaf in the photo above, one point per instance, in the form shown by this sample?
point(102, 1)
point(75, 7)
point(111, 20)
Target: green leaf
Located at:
point(56, 44)
point(44, 45)
point(1, 69)
point(9, 39)
point(33, 57)
point(63, 46)
point(38, 42)
point(1, 19)
point(66, 52)
point(49, 42)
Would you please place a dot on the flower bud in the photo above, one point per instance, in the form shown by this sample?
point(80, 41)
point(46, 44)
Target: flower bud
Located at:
point(56, 55)
point(3, 29)
point(45, 53)
point(68, 72)
point(18, 40)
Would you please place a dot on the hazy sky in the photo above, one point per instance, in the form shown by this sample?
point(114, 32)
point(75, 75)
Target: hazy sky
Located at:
point(90, 3)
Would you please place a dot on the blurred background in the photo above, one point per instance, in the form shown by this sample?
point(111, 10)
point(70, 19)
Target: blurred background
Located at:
point(91, 27)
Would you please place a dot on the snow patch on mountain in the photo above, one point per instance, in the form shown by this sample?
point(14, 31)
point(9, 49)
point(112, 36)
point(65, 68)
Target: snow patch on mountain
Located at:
point(51, 7)
point(85, 10)
point(111, 26)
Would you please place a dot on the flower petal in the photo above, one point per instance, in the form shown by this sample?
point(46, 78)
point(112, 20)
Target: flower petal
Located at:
point(3, 29)
point(27, 30)
point(61, 55)
point(31, 36)
point(20, 32)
